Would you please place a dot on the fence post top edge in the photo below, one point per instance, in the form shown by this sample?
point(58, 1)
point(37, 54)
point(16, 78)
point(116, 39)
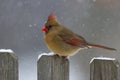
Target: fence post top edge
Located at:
point(45, 54)
point(102, 58)
point(6, 51)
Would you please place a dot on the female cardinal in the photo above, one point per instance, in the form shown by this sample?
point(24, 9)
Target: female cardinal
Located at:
point(63, 41)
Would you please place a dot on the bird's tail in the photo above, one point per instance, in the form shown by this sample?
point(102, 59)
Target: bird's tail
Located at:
point(100, 46)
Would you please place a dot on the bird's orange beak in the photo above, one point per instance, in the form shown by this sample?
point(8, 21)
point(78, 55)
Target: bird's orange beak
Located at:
point(44, 29)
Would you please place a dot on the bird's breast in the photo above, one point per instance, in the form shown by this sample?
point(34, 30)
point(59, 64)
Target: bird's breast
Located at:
point(58, 46)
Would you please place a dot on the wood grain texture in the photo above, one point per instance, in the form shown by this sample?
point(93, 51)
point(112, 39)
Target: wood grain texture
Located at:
point(101, 69)
point(8, 66)
point(53, 68)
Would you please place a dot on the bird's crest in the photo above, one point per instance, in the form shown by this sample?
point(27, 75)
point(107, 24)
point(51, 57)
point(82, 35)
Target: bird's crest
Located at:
point(52, 16)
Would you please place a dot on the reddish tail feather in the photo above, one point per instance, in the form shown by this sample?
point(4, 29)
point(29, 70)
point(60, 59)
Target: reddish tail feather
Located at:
point(100, 46)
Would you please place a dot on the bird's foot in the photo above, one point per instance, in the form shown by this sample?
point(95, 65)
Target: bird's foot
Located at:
point(56, 55)
point(64, 59)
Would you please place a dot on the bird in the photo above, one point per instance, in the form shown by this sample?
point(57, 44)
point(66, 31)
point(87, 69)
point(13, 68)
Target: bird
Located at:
point(63, 41)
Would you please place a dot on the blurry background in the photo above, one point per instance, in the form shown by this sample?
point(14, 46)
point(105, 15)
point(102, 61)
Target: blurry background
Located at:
point(97, 21)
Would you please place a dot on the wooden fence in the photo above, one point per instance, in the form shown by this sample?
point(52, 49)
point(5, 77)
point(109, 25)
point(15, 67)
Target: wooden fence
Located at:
point(57, 68)
point(8, 66)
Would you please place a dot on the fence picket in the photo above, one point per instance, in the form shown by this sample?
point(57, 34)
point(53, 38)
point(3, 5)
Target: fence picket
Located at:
point(8, 66)
point(53, 68)
point(104, 69)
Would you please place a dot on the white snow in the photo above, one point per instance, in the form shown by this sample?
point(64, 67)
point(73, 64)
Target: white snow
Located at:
point(51, 53)
point(79, 0)
point(83, 25)
point(30, 25)
point(6, 50)
point(102, 58)
point(94, 0)
point(34, 24)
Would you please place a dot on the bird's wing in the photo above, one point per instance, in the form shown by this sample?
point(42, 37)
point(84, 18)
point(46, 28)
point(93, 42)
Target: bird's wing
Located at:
point(71, 38)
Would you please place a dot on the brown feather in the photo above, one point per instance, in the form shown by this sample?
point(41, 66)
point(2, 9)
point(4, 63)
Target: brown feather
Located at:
point(71, 38)
point(100, 46)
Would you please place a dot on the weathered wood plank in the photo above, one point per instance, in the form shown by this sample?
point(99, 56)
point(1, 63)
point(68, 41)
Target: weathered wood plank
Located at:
point(8, 66)
point(104, 69)
point(53, 68)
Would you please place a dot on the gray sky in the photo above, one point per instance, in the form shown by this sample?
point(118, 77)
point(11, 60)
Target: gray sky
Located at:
point(96, 20)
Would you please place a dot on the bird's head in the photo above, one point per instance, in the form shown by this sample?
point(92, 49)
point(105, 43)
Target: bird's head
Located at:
point(51, 23)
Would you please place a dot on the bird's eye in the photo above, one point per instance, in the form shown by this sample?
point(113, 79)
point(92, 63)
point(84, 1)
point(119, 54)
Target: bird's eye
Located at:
point(49, 27)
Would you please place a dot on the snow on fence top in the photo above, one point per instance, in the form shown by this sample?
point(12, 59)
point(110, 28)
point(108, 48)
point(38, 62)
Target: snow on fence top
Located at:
point(102, 58)
point(6, 50)
point(50, 53)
